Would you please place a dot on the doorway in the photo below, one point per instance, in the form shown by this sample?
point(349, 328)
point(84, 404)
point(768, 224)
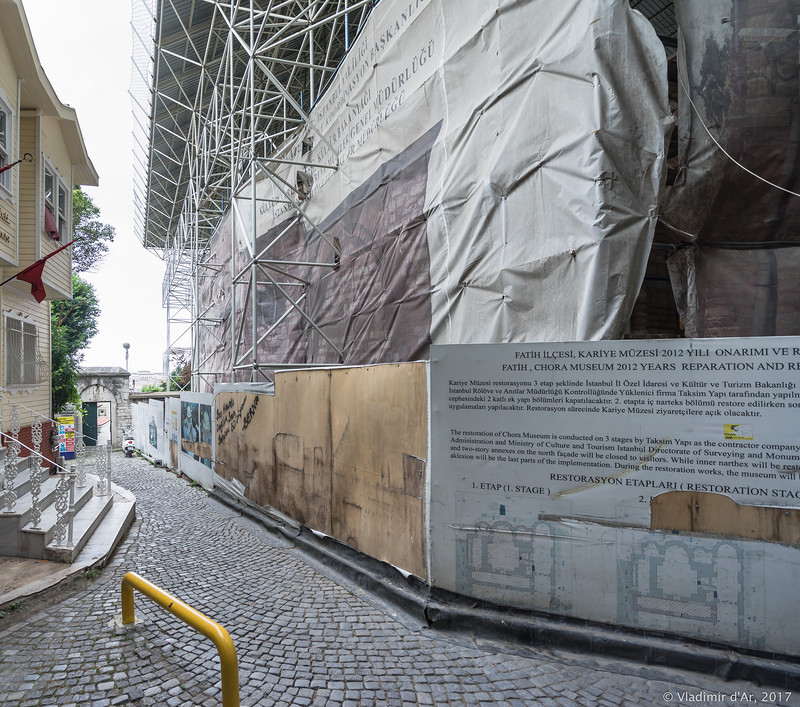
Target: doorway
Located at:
point(90, 424)
point(104, 422)
point(97, 423)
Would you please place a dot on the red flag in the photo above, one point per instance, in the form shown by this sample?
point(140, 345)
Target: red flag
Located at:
point(50, 226)
point(33, 273)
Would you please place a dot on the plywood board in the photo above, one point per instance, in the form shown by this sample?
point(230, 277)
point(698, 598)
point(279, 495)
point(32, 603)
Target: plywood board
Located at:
point(697, 512)
point(342, 451)
point(379, 434)
point(302, 447)
point(244, 432)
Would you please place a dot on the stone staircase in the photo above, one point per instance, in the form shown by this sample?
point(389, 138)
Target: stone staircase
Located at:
point(109, 516)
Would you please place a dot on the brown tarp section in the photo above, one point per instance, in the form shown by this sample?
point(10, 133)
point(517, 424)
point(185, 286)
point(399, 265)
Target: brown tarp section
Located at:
point(739, 62)
point(375, 305)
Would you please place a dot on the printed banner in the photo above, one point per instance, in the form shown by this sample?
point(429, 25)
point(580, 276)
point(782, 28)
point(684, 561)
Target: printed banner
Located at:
point(66, 436)
point(595, 430)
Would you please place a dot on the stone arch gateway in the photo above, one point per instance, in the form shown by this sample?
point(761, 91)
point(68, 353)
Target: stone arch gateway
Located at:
point(108, 384)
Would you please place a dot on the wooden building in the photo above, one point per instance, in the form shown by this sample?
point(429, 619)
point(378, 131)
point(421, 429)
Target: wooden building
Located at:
point(41, 138)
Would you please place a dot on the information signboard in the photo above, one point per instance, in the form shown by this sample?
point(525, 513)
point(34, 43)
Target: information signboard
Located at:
point(596, 429)
point(66, 435)
point(545, 458)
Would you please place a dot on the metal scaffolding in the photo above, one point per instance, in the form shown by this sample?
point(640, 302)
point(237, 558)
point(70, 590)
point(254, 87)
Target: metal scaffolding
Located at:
point(221, 90)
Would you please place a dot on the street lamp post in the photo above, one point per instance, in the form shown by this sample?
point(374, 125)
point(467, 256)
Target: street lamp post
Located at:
point(126, 346)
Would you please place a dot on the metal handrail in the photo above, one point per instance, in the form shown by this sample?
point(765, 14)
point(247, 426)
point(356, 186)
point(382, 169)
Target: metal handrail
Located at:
point(199, 622)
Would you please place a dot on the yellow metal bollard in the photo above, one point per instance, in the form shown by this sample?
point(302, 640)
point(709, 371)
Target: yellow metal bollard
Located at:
point(199, 622)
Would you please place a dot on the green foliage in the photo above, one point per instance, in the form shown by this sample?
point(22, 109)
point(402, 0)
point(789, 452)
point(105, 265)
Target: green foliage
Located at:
point(74, 323)
point(181, 377)
point(91, 237)
point(16, 606)
point(92, 573)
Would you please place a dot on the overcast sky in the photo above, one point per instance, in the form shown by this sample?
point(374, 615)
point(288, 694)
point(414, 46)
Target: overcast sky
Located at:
point(85, 49)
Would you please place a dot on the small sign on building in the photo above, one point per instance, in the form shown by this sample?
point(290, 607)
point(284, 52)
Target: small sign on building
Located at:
point(66, 435)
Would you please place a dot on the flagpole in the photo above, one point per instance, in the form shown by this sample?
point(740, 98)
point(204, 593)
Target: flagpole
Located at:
point(27, 157)
point(33, 265)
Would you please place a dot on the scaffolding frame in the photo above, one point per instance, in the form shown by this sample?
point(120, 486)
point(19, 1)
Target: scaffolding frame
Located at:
point(221, 91)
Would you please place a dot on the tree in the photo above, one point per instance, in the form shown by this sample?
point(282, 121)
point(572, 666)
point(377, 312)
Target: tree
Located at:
point(179, 379)
point(181, 376)
point(74, 322)
point(91, 237)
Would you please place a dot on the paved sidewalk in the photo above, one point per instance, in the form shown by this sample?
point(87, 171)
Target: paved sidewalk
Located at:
point(301, 639)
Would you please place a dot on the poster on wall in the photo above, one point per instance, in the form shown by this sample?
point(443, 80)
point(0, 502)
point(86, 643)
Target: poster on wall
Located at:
point(196, 431)
point(66, 436)
point(152, 433)
point(153, 430)
point(195, 450)
point(545, 459)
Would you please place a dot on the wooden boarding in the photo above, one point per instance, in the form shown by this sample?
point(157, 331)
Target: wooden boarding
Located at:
point(301, 447)
point(173, 454)
point(342, 451)
point(695, 512)
point(243, 427)
point(379, 419)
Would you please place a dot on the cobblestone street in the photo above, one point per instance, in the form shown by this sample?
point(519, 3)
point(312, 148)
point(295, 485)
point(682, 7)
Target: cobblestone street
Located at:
point(301, 639)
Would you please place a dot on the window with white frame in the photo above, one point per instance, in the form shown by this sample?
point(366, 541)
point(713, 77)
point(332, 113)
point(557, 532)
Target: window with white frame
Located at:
point(22, 351)
point(55, 199)
point(62, 209)
point(6, 143)
point(49, 189)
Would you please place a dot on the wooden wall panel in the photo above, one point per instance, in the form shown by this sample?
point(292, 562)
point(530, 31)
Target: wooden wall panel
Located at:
point(695, 512)
point(27, 233)
point(302, 447)
point(379, 425)
point(342, 451)
point(58, 272)
point(244, 432)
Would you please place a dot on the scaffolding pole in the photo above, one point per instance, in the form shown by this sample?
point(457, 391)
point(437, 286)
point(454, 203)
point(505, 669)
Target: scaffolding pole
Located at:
point(222, 91)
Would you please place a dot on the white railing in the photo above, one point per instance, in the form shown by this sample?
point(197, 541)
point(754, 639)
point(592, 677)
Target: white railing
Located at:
point(68, 479)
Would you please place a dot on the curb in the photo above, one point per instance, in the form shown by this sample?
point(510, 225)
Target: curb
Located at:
point(517, 630)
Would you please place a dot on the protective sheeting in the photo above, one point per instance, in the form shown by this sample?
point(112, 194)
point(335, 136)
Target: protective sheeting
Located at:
point(499, 166)
point(737, 94)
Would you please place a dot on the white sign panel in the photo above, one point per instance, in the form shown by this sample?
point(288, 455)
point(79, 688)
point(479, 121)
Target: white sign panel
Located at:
point(594, 430)
point(545, 457)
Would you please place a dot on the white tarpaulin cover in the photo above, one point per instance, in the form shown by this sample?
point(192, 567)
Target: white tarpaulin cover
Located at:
point(499, 165)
